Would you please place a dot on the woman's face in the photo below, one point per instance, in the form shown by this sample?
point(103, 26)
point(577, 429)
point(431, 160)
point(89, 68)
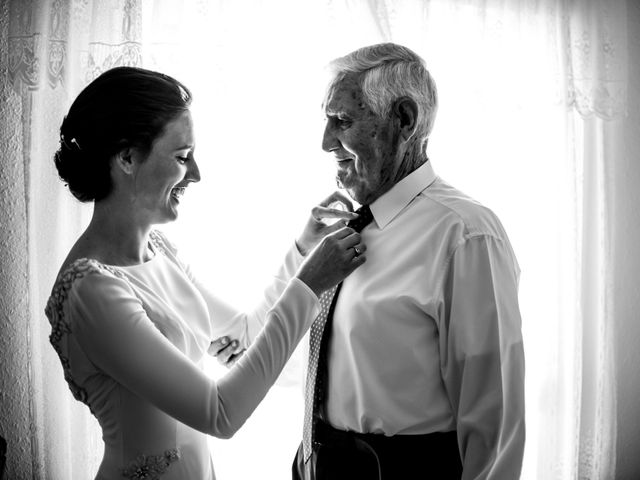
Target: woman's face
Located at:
point(160, 178)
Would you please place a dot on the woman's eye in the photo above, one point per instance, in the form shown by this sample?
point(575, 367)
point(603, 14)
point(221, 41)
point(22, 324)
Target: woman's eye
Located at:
point(183, 159)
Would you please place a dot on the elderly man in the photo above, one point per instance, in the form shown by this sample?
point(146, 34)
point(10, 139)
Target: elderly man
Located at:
point(416, 365)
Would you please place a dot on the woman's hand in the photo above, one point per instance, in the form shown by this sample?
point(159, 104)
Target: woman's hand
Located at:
point(224, 349)
point(316, 229)
point(334, 258)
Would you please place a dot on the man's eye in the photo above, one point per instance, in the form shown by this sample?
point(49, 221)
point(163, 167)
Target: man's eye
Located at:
point(343, 122)
point(182, 159)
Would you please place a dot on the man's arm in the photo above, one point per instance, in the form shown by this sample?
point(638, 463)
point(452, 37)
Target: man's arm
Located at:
point(483, 358)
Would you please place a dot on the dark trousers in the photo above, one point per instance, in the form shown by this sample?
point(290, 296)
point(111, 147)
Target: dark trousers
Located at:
point(339, 455)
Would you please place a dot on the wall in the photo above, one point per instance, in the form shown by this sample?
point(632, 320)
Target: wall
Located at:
point(626, 269)
point(14, 307)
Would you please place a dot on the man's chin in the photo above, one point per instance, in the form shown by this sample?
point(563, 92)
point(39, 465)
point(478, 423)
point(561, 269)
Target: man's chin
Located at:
point(358, 192)
point(357, 195)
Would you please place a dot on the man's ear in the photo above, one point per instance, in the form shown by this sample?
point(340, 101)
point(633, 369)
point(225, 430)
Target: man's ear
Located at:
point(124, 160)
point(405, 110)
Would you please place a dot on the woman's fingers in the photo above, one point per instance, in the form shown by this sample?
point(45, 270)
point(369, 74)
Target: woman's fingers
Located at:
point(234, 358)
point(335, 206)
point(349, 237)
point(336, 256)
point(350, 242)
point(343, 233)
point(321, 213)
point(359, 249)
point(223, 349)
point(338, 197)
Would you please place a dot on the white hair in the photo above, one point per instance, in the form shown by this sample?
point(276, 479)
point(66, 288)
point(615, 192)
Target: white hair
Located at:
point(389, 72)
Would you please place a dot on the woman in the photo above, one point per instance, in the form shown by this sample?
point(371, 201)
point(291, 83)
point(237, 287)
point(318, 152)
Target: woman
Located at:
point(129, 321)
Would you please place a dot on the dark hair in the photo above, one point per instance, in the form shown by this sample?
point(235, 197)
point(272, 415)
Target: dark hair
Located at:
point(125, 106)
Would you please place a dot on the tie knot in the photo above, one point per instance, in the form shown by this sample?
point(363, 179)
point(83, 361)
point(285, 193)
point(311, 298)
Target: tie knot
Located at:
point(364, 219)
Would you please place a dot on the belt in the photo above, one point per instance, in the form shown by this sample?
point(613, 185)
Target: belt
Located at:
point(383, 449)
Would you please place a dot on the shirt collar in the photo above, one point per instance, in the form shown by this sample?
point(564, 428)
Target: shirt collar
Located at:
point(385, 208)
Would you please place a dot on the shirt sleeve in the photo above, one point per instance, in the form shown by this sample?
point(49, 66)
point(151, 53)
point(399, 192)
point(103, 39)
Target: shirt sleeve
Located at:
point(482, 357)
point(240, 325)
point(111, 326)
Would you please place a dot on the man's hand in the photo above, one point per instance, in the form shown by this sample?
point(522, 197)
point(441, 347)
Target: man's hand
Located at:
point(322, 221)
point(224, 349)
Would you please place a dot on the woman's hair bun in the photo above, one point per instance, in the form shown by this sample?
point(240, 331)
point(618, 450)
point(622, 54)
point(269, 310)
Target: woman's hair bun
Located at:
point(87, 179)
point(123, 106)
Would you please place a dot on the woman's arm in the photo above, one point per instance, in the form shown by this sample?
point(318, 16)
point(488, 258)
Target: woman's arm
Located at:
point(244, 326)
point(112, 328)
point(234, 330)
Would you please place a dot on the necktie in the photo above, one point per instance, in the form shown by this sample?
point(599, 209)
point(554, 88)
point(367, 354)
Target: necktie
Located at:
point(318, 340)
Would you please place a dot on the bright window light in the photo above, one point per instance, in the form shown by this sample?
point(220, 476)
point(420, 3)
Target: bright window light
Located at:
point(258, 81)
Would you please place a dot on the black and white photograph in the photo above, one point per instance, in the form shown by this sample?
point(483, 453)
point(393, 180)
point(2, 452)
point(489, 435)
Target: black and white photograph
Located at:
point(320, 239)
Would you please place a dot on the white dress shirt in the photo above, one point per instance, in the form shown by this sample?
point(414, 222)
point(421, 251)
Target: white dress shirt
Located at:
point(427, 333)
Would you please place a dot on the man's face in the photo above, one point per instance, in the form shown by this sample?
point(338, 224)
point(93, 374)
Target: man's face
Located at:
point(363, 144)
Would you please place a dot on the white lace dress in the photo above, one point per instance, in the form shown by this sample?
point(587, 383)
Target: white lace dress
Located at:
point(132, 341)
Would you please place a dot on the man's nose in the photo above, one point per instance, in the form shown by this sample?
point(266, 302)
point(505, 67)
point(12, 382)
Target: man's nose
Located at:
point(329, 140)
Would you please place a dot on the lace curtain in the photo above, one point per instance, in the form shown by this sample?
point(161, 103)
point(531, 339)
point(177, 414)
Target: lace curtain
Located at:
point(51, 49)
point(594, 40)
point(532, 96)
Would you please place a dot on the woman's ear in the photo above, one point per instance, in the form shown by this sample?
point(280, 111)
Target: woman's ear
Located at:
point(124, 160)
point(405, 110)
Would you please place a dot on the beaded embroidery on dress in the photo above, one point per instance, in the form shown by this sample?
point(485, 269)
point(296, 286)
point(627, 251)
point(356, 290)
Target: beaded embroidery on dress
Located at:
point(59, 326)
point(55, 313)
point(150, 467)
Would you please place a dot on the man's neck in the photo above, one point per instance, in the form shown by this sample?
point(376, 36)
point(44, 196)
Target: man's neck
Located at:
point(414, 156)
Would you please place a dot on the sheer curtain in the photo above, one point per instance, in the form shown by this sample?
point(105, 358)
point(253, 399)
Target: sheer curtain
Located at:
point(532, 95)
point(54, 49)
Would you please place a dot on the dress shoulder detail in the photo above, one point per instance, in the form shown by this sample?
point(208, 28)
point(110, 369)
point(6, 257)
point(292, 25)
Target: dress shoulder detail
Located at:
point(60, 326)
point(161, 243)
point(150, 467)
